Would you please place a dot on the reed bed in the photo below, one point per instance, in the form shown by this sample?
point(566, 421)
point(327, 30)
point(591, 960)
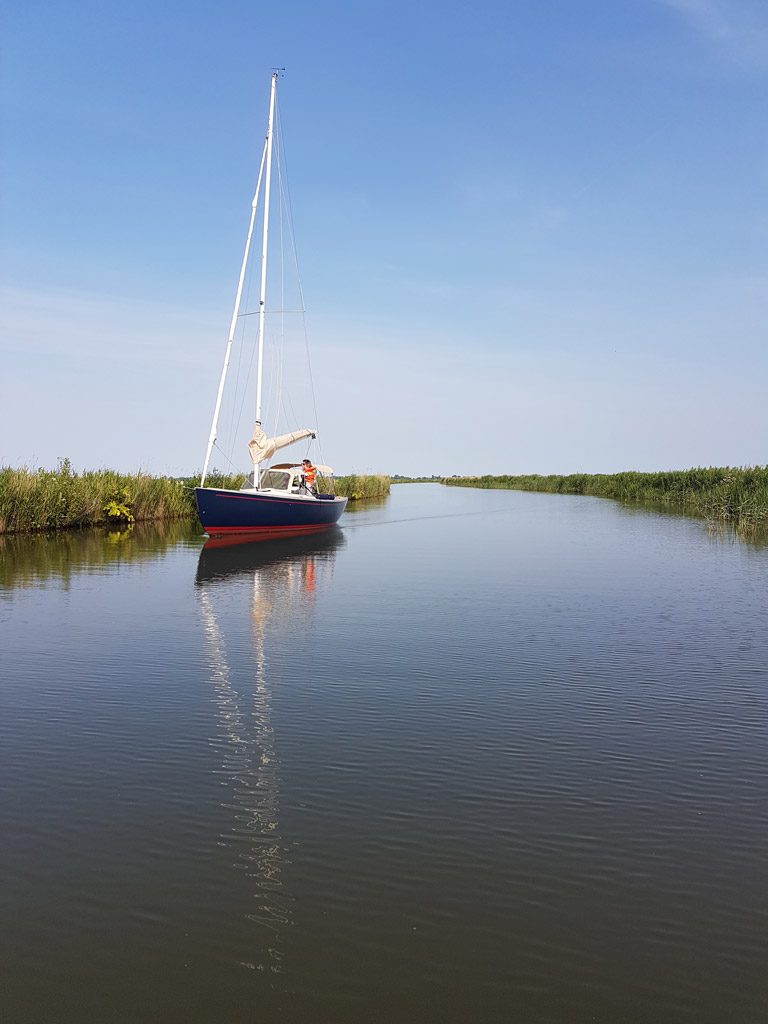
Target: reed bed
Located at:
point(356, 487)
point(727, 494)
point(59, 499)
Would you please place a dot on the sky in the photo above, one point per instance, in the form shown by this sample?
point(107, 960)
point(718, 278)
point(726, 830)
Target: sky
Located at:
point(533, 235)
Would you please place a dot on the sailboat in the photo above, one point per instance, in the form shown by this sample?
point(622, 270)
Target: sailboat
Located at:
point(279, 500)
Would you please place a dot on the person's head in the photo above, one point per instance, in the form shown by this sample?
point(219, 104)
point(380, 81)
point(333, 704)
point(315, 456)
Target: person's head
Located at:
point(306, 462)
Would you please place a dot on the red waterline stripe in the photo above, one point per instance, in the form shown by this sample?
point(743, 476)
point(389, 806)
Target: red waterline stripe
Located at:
point(268, 531)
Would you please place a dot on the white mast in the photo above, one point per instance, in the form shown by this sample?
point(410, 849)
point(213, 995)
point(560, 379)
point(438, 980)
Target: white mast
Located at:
point(264, 237)
point(266, 158)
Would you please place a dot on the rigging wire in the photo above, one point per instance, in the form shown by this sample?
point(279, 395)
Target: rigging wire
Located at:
point(277, 338)
point(244, 395)
point(224, 454)
point(302, 303)
point(234, 425)
point(249, 372)
point(234, 422)
point(281, 404)
point(281, 363)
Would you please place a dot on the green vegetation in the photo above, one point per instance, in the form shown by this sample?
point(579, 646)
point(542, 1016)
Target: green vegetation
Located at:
point(61, 498)
point(738, 496)
point(357, 487)
point(229, 481)
point(398, 479)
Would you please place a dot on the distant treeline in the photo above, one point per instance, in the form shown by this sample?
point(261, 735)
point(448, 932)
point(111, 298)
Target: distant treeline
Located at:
point(60, 499)
point(726, 494)
point(398, 479)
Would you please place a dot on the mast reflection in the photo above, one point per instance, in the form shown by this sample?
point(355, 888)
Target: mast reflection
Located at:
point(281, 579)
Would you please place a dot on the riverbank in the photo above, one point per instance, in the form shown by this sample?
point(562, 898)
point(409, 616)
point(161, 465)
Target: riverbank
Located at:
point(727, 494)
point(62, 499)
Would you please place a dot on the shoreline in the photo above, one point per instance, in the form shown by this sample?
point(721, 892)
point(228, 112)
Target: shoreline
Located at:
point(735, 495)
point(45, 501)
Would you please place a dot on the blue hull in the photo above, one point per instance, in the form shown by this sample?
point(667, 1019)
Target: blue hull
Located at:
point(263, 515)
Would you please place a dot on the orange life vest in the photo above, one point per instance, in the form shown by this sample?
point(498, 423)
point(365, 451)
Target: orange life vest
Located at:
point(309, 475)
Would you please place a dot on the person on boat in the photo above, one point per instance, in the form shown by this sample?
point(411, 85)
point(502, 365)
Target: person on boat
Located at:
point(308, 476)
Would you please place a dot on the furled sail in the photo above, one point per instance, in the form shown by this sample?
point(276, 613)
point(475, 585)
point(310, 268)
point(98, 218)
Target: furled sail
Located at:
point(262, 447)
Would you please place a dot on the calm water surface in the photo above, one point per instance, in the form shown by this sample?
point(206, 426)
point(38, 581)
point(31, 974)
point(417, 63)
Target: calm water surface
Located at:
point(480, 756)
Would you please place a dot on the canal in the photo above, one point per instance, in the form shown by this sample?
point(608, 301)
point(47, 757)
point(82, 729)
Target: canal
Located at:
point(481, 756)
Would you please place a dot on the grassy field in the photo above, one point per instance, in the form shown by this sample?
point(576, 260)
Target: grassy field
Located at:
point(60, 499)
point(736, 495)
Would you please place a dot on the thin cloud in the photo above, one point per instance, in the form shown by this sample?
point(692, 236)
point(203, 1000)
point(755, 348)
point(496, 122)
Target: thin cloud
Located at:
point(738, 28)
point(80, 327)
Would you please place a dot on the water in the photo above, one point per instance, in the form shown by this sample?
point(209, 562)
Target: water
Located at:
point(480, 756)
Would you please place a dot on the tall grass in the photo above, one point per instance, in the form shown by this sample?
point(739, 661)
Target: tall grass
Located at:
point(357, 487)
point(59, 499)
point(727, 494)
point(229, 481)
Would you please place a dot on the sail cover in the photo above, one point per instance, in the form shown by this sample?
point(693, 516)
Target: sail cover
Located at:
point(262, 447)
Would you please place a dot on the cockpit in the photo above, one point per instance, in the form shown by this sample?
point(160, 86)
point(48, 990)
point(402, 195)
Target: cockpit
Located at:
point(276, 480)
point(286, 478)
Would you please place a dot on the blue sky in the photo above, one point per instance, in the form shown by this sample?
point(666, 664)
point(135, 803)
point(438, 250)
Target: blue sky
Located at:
point(532, 234)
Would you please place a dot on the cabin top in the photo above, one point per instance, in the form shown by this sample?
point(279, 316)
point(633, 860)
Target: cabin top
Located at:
point(283, 476)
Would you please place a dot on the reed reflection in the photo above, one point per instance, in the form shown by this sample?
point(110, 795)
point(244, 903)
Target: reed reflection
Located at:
point(279, 581)
point(35, 560)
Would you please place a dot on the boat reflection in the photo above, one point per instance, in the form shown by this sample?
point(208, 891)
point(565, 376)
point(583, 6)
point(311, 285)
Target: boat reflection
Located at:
point(280, 579)
point(223, 557)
